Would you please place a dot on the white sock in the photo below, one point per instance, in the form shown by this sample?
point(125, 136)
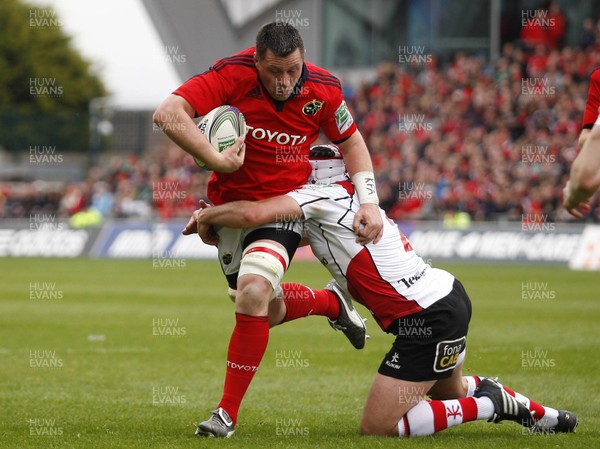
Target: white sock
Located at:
point(550, 419)
point(471, 385)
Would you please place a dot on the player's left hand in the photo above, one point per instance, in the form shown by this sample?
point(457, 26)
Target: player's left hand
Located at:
point(206, 231)
point(191, 227)
point(368, 225)
point(208, 234)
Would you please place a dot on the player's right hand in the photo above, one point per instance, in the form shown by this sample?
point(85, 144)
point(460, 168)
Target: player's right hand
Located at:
point(576, 208)
point(232, 158)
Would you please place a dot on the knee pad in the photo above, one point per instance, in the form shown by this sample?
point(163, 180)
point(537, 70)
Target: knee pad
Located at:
point(265, 259)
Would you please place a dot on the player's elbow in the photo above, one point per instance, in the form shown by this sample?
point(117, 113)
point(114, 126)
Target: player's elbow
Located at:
point(163, 111)
point(170, 108)
point(253, 216)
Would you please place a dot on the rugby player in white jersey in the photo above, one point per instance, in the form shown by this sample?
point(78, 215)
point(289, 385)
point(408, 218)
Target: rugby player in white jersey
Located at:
point(426, 308)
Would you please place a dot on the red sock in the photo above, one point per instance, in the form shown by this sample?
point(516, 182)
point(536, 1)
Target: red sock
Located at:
point(302, 301)
point(247, 346)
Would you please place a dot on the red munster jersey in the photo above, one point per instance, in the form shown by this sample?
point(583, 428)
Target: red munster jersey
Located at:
point(279, 132)
point(590, 114)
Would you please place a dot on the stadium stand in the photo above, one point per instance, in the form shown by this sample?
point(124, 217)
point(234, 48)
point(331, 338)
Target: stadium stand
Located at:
point(493, 141)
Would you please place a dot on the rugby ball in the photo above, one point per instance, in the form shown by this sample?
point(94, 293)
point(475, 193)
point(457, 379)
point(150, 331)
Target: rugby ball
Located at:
point(222, 127)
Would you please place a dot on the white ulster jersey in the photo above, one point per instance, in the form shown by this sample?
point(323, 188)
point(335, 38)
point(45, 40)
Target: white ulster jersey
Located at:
point(395, 281)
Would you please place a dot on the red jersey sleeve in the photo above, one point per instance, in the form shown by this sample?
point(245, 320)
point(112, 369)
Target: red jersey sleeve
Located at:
point(205, 91)
point(590, 114)
point(339, 123)
point(221, 83)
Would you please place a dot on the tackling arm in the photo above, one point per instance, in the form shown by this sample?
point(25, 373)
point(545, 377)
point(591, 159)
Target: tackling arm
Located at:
point(247, 214)
point(356, 155)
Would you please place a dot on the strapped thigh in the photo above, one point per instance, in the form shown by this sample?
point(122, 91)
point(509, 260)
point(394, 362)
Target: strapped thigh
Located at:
point(267, 259)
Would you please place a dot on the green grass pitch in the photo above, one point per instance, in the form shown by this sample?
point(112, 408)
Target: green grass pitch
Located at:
point(122, 354)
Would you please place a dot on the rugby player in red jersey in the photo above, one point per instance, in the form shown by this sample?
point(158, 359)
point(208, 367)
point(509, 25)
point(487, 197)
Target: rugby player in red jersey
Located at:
point(287, 102)
point(426, 308)
point(590, 114)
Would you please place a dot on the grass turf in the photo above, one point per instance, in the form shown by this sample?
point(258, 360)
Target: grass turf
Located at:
point(121, 354)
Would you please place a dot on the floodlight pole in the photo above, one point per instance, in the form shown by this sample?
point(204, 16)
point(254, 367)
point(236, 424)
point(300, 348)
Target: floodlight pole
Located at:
point(495, 11)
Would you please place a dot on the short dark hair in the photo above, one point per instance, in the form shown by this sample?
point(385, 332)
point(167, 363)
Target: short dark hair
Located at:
point(281, 38)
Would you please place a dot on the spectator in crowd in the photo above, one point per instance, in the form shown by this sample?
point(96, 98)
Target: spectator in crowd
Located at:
point(587, 37)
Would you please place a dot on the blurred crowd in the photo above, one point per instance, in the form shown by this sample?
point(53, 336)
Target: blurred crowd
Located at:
point(487, 141)
point(493, 141)
point(164, 183)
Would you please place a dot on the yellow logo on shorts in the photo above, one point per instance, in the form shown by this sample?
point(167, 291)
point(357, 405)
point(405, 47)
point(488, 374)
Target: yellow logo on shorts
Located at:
point(447, 354)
